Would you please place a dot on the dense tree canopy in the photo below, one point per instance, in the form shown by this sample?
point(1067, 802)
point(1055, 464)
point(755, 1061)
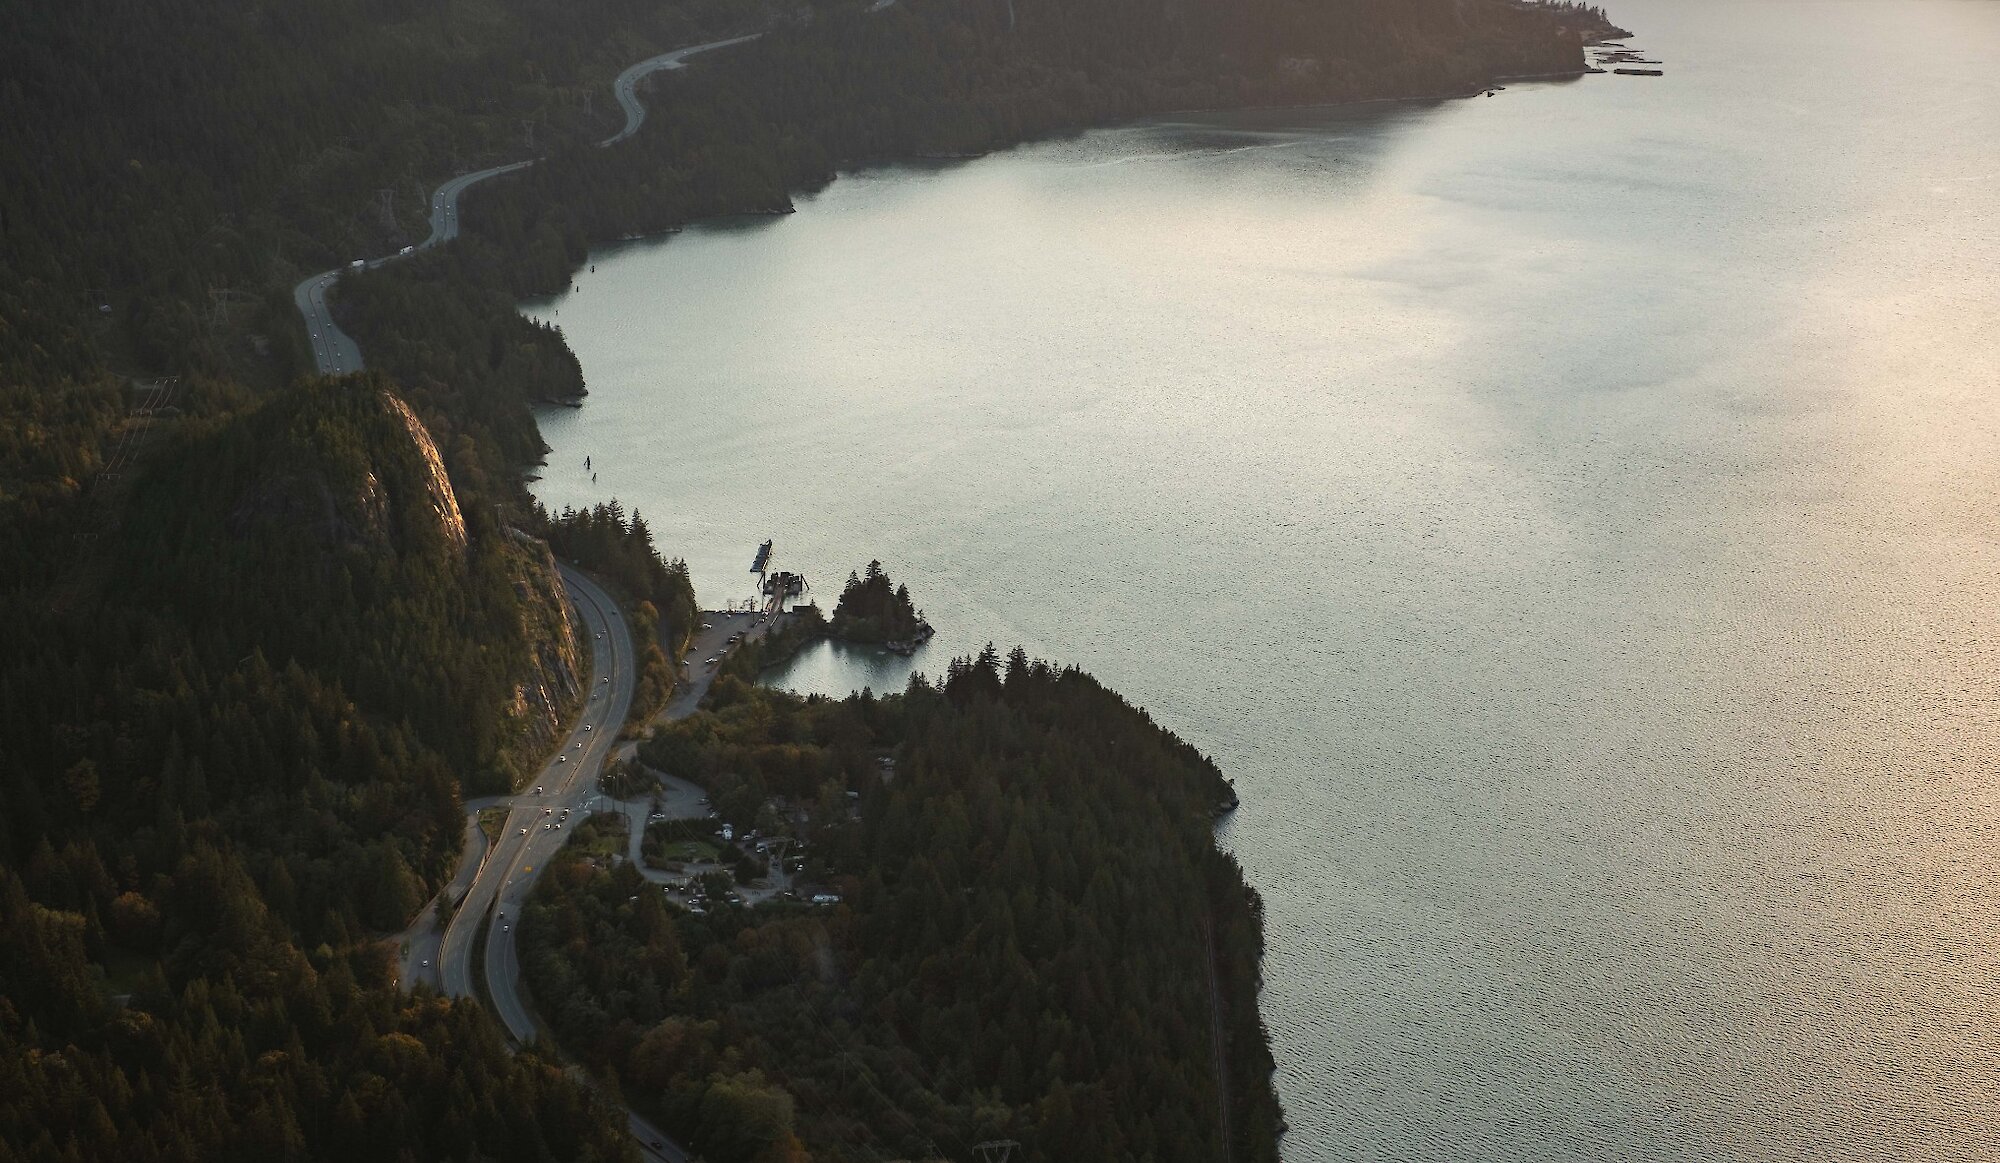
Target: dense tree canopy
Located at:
point(874, 609)
point(1037, 936)
point(243, 739)
point(253, 662)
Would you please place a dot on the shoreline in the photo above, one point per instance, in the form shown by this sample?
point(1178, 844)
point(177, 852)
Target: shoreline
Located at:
point(849, 167)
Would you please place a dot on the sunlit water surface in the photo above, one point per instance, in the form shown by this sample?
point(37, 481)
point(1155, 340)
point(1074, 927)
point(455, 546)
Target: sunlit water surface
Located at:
point(1569, 515)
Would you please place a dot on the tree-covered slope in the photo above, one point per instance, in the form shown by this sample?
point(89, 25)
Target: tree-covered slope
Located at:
point(248, 676)
point(231, 757)
point(1031, 898)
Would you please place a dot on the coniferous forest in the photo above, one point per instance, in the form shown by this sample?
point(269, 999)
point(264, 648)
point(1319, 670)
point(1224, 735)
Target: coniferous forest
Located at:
point(874, 609)
point(268, 631)
point(1035, 936)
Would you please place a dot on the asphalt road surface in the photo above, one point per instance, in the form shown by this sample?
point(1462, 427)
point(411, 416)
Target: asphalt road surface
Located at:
point(334, 351)
point(525, 844)
point(567, 791)
point(444, 203)
point(627, 84)
point(419, 957)
point(496, 878)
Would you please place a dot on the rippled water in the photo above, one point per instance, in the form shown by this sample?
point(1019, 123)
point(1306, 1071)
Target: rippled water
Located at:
point(1570, 515)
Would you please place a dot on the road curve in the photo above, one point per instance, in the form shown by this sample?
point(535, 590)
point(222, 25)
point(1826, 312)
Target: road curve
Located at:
point(501, 881)
point(606, 709)
point(627, 84)
point(334, 351)
point(444, 203)
point(524, 844)
point(418, 961)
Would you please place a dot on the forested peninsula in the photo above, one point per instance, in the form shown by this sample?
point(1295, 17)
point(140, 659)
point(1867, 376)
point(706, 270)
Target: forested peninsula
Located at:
point(1007, 920)
point(268, 631)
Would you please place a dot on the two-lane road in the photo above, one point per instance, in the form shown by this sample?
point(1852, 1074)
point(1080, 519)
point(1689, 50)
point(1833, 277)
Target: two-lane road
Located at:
point(626, 87)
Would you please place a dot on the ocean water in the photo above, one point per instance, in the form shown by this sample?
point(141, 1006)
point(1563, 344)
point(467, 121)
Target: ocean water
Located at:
point(1569, 515)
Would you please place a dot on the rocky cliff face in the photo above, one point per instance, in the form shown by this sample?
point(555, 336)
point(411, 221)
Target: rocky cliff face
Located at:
point(443, 501)
point(553, 682)
point(337, 472)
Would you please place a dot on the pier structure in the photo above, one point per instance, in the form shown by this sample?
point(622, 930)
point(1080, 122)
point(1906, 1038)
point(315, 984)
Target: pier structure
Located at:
point(775, 587)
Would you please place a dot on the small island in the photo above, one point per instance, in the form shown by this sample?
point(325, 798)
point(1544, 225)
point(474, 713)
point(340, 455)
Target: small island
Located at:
point(872, 609)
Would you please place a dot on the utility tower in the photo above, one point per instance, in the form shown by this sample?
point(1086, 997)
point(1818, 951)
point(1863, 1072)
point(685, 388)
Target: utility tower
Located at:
point(219, 299)
point(528, 131)
point(995, 1150)
point(386, 198)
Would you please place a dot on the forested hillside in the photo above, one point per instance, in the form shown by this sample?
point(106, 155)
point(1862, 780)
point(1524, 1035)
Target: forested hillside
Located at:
point(619, 548)
point(233, 751)
point(1022, 948)
point(266, 632)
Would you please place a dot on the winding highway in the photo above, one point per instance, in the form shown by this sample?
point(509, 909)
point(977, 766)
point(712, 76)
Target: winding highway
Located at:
point(501, 882)
point(334, 351)
point(493, 879)
point(539, 829)
point(627, 85)
point(531, 834)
